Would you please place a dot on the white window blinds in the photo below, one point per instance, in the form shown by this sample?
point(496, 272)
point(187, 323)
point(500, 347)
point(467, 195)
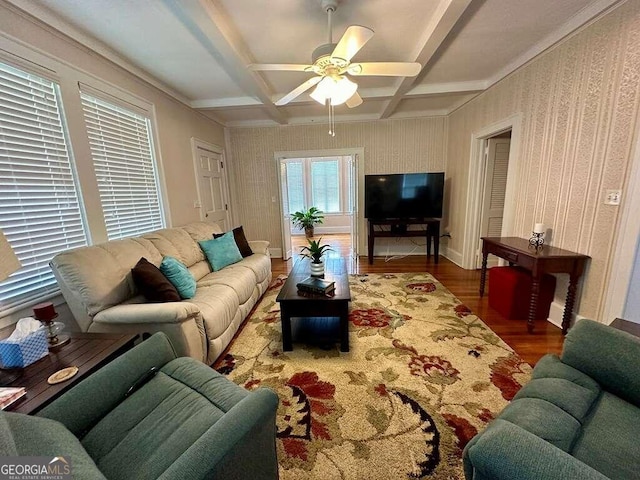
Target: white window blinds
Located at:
point(39, 208)
point(125, 168)
point(325, 185)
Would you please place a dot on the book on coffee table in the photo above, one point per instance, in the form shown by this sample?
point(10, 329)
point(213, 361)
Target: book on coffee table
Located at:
point(316, 285)
point(9, 395)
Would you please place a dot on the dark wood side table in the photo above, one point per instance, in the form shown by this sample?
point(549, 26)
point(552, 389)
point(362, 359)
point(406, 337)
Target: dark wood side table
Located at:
point(87, 351)
point(538, 261)
point(431, 231)
point(316, 306)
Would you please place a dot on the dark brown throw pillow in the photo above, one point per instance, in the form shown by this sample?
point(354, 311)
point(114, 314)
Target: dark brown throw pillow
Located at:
point(152, 283)
point(241, 241)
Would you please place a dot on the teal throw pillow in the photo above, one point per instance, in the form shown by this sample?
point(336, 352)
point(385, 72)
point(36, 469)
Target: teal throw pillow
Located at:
point(179, 276)
point(221, 251)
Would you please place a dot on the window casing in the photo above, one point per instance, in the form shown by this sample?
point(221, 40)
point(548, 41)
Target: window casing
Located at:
point(40, 212)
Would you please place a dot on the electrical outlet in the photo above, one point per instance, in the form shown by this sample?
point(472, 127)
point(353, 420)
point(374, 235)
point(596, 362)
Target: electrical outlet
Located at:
point(612, 197)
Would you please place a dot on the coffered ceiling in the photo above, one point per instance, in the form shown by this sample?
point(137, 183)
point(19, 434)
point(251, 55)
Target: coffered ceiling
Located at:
point(198, 50)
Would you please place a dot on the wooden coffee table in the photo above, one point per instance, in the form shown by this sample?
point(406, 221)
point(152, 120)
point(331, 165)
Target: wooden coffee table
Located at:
point(305, 307)
point(87, 351)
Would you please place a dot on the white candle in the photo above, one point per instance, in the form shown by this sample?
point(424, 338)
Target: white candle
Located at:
point(538, 228)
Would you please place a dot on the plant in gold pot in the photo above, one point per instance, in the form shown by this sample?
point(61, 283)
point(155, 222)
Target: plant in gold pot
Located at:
point(314, 251)
point(306, 219)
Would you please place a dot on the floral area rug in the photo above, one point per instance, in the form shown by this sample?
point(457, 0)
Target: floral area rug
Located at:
point(423, 376)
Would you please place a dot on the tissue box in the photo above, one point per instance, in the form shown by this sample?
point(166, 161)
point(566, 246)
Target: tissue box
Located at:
point(20, 353)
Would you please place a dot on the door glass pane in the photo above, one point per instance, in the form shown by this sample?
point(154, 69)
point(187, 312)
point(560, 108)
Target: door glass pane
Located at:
point(325, 185)
point(295, 186)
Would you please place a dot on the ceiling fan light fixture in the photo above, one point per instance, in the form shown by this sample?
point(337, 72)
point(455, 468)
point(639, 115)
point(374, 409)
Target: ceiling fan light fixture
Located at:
point(337, 91)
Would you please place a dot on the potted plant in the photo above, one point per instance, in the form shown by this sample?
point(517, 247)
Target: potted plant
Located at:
point(306, 219)
point(314, 251)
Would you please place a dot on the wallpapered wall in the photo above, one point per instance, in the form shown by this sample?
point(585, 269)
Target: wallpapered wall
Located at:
point(390, 146)
point(579, 104)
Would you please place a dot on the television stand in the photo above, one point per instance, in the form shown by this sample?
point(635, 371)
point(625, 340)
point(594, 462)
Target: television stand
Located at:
point(399, 228)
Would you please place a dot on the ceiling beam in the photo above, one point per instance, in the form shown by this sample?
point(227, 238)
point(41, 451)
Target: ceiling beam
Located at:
point(445, 18)
point(210, 26)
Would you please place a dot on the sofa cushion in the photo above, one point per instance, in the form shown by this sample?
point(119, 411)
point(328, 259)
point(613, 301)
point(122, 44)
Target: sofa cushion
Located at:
point(241, 280)
point(176, 243)
point(240, 239)
point(201, 230)
point(218, 305)
point(259, 264)
point(550, 366)
point(543, 419)
point(147, 432)
point(608, 441)
point(577, 401)
point(152, 282)
point(179, 276)
point(114, 260)
point(221, 251)
point(42, 437)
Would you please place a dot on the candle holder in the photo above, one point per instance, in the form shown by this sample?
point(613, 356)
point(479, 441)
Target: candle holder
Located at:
point(537, 240)
point(46, 314)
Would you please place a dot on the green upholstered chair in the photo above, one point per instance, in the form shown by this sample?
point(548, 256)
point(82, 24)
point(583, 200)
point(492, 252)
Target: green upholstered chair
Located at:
point(578, 418)
point(186, 422)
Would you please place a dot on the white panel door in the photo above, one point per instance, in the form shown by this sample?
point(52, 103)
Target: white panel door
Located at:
point(213, 188)
point(495, 185)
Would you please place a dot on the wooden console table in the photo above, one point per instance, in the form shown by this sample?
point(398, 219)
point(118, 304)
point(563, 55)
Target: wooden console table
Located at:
point(546, 260)
point(431, 232)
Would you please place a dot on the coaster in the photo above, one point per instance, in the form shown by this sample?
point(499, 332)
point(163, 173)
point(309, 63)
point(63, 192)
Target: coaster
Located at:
point(62, 375)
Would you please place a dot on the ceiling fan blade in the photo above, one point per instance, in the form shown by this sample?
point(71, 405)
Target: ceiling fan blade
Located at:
point(354, 101)
point(283, 67)
point(298, 91)
point(351, 42)
point(392, 69)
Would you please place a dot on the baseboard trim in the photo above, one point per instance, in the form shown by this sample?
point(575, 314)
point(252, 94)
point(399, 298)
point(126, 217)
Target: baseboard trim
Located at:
point(275, 252)
point(556, 312)
point(453, 255)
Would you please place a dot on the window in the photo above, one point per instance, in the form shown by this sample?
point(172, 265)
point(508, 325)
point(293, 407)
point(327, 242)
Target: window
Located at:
point(325, 185)
point(39, 208)
point(125, 169)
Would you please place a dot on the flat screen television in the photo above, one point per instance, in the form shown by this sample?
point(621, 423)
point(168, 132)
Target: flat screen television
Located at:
point(403, 195)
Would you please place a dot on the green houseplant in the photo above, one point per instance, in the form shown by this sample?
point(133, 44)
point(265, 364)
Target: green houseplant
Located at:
point(314, 251)
point(306, 219)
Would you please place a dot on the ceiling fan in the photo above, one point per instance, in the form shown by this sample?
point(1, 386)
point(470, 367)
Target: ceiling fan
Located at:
point(332, 66)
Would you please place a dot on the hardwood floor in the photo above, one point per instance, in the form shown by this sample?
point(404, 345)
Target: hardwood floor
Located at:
point(464, 284)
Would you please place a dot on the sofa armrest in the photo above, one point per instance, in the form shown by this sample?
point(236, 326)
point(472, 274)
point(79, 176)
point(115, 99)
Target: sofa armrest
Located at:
point(505, 451)
point(607, 355)
point(242, 444)
point(181, 321)
point(260, 246)
point(85, 404)
point(169, 312)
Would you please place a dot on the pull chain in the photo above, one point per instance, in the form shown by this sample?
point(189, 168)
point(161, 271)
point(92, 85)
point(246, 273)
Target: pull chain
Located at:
point(332, 119)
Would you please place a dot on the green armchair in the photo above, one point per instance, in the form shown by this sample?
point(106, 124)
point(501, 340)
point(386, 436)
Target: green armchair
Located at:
point(184, 421)
point(578, 418)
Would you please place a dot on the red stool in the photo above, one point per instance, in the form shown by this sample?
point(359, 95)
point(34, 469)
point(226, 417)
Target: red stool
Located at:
point(510, 293)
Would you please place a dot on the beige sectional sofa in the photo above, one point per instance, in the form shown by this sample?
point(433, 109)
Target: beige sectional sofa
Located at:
point(97, 284)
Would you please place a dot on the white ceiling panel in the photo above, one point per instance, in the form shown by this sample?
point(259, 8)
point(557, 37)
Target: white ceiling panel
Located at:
point(147, 34)
point(498, 33)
